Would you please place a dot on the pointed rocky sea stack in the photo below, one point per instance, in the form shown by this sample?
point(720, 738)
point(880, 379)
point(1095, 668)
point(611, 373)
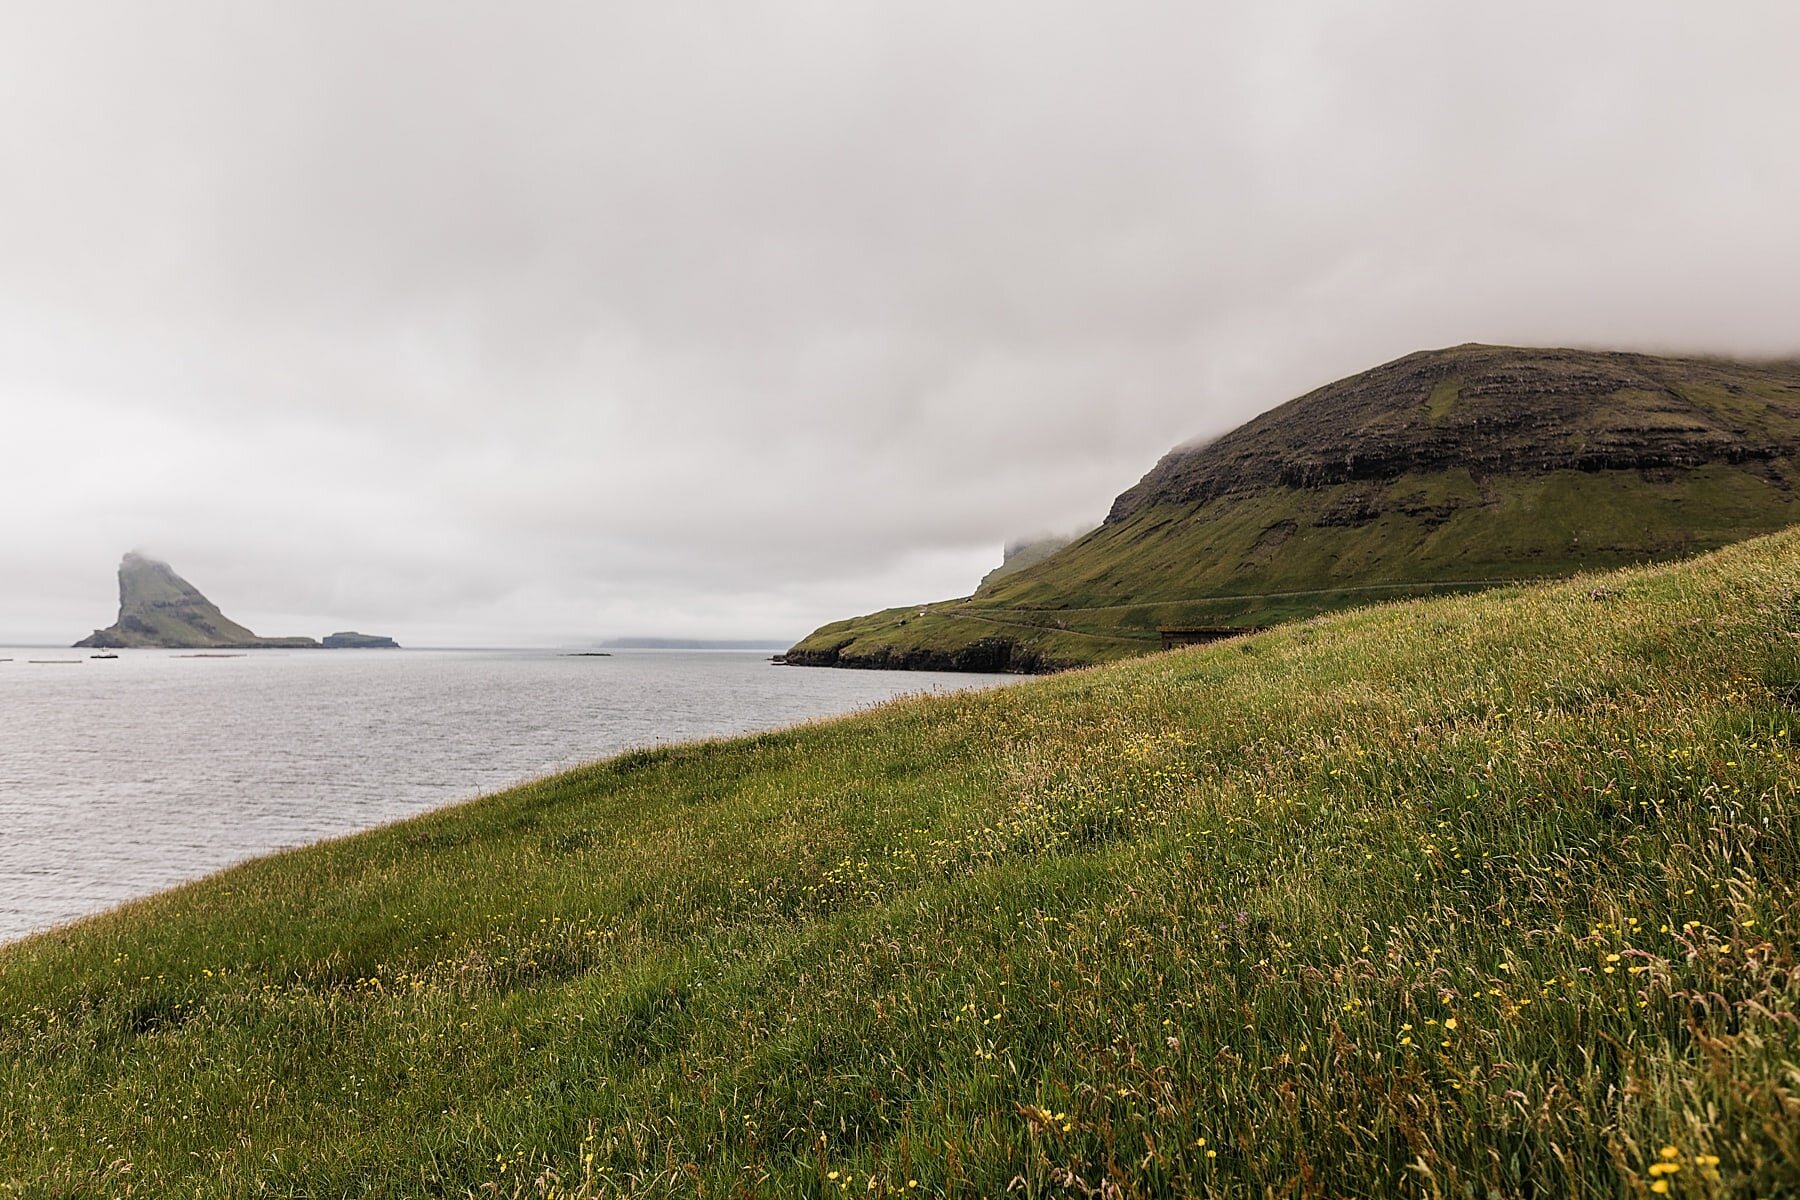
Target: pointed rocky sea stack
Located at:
point(158, 608)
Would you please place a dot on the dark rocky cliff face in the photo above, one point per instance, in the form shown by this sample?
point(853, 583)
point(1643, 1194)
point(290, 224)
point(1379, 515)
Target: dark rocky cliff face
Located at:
point(1493, 410)
point(990, 655)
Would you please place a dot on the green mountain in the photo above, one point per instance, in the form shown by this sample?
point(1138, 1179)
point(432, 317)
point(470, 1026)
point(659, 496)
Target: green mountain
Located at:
point(158, 608)
point(1480, 896)
point(1445, 470)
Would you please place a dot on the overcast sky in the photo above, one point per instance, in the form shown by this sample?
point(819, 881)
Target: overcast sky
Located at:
point(536, 323)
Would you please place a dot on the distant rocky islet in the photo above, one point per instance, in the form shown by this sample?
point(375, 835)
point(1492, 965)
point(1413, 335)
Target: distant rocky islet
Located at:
point(158, 609)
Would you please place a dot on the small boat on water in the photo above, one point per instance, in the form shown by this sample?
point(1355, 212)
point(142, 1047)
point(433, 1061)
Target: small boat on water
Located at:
point(103, 656)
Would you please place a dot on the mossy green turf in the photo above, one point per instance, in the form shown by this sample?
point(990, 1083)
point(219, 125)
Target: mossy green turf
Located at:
point(1483, 895)
point(1277, 555)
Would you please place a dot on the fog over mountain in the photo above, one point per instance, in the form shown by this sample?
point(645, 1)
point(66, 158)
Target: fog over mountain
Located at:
point(519, 324)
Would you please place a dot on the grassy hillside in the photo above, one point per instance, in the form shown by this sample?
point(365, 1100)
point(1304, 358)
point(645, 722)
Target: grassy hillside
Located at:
point(1438, 472)
point(1486, 895)
point(1027, 552)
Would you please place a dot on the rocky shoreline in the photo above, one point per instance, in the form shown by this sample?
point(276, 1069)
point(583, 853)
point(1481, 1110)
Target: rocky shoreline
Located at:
point(986, 656)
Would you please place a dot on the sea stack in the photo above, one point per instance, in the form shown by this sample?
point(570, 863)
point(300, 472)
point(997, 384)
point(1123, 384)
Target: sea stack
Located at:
point(160, 609)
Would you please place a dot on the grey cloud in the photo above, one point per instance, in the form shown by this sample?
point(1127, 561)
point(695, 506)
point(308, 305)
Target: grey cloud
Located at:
point(482, 322)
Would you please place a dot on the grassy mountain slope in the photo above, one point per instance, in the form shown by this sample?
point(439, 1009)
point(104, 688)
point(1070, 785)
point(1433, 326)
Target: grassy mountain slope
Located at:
point(1482, 895)
point(1438, 472)
point(158, 608)
point(1027, 552)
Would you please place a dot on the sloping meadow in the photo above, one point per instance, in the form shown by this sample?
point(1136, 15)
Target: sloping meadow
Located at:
point(1483, 895)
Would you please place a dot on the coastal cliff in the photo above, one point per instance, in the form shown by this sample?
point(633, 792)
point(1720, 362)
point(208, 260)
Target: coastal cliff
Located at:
point(1445, 470)
point(995, 655)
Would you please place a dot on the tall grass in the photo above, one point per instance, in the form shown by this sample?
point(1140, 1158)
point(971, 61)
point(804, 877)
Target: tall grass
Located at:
point(1489, 895)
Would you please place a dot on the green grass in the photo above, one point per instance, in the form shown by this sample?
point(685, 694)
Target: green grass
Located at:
point(1442, 400)
point(1489, 895)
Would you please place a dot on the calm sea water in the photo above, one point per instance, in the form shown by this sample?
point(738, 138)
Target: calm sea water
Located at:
point(120, 777)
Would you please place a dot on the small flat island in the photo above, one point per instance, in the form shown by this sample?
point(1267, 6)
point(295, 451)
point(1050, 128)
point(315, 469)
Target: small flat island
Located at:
point(359, 641)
